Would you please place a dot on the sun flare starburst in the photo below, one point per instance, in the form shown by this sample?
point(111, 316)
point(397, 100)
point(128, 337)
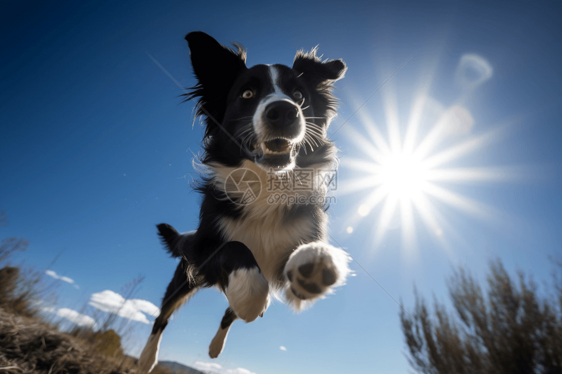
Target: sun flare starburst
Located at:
point(405, 176)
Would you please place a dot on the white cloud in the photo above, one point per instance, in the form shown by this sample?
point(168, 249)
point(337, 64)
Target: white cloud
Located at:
point(75, 317)
point(133, 309)
point(212, 368)
point(56, 276)
point(207, 366)
point(473, 70)
point(72, 316)
point(48, 309)
point(282, 348)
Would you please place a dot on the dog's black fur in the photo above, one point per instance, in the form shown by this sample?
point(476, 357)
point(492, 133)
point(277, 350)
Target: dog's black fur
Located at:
point(261, 118)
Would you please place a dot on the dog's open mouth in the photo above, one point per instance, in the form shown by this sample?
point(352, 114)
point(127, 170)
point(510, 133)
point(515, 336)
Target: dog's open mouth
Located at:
point(277, 146)
point(275, 153)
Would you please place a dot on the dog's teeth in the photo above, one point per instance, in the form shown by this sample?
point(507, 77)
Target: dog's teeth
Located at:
point(268, 151)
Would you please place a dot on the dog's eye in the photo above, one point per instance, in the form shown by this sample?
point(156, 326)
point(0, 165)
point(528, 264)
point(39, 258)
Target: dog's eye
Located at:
point(297, 95)
point(248, 94)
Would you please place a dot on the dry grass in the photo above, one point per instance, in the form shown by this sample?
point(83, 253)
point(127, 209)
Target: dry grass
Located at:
point(28, 345)
point(31, 346)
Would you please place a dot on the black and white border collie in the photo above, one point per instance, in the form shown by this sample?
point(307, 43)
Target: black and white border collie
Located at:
point(265, 119)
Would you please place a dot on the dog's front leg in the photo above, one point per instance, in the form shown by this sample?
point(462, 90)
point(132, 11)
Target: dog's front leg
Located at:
point(312, 270)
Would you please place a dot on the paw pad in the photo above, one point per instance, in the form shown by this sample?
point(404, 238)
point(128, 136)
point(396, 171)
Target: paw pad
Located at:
point(297, 294)
point(312, 270)
point(311, 279)
point(290, 275)
point(306, 270)
point(310, 287)
point(328, 277)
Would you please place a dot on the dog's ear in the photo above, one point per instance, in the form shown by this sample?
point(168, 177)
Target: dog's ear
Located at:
point(316, 72)
point(212, 61)
point(216, 68)
point(320, 75)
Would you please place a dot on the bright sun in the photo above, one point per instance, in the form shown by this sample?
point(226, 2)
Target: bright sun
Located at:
point(402, 175)
point(405, 175)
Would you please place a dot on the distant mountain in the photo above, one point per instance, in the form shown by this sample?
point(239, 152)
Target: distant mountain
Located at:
point(178, 368)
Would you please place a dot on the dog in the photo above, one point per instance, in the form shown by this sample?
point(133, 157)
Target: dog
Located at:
point(264, 126)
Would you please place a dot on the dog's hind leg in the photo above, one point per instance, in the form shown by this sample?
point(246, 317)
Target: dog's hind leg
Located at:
point(178, 292)
point(217, 344)
point(241, 280)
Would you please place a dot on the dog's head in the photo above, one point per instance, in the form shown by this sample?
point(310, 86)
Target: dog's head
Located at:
point(273, 115)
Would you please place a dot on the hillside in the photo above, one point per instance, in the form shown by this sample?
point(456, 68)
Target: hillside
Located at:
point(178, 368)
point(31, 346)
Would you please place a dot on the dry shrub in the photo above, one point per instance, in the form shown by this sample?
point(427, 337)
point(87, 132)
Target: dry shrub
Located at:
point(108, 343)
point(510, 329)
point(8, 280)
point(20, 289)
point(19, 293)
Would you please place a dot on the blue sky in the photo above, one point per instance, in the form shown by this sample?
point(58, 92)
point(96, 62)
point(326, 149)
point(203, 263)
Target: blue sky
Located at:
point(96, 148)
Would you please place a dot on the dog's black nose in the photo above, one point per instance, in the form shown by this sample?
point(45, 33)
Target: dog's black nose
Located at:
point(281, 113)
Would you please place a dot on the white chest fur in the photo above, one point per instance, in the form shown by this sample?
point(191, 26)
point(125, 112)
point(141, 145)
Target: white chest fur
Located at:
point(269, 241)
point(265, 228)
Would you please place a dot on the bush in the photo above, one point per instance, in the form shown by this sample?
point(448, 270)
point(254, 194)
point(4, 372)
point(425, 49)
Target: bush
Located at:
point(512, 329)
point(8, 280)
point(19, 293)
point(108, 343)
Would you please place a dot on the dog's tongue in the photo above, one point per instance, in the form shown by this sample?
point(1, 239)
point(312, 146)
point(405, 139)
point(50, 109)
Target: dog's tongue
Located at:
point(278, 145)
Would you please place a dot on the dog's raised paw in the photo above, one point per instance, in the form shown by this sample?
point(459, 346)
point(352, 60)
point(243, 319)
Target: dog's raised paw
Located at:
point(313, 268)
